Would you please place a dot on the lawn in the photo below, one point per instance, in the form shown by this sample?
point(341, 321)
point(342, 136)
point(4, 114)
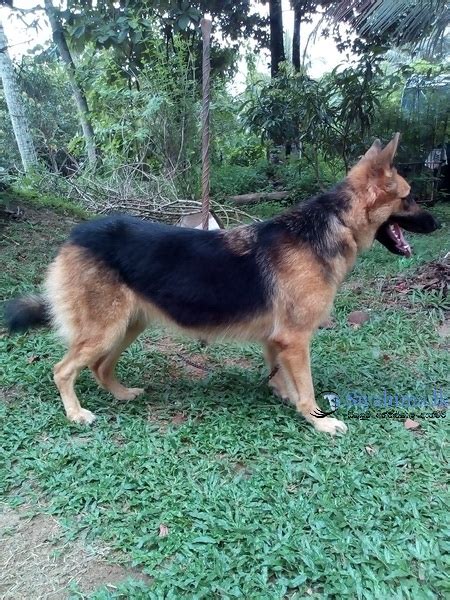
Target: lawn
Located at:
point(207, 486)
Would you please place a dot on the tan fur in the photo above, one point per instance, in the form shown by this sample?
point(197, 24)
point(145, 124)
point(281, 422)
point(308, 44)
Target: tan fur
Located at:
point(239, 240)
point(99, 316)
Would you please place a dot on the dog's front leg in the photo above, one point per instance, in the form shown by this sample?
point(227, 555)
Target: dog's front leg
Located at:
point(293, 359)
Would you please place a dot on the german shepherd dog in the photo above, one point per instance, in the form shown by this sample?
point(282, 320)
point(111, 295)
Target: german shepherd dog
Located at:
point(272, 282)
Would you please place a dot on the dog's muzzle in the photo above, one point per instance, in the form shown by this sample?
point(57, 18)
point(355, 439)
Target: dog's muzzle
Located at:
point(391, 235)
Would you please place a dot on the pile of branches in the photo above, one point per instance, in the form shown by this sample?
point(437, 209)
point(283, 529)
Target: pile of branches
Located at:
point(133, 190)
point(428, 287)
point(431, 277)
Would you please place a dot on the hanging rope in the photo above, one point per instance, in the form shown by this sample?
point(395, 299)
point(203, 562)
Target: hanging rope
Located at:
point(206, 35)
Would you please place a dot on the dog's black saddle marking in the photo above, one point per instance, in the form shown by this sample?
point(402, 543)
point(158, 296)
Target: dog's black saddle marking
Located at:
point(188, 273)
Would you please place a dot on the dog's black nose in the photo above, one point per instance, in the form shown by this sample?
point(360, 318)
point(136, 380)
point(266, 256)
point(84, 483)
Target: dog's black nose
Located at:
point(429, 222)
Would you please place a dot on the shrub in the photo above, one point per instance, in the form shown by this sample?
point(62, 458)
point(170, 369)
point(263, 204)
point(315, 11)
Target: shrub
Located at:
point(230, 180)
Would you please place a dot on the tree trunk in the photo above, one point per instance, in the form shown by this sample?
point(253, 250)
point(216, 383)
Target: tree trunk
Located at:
point(78, 94)
point(296, 38)
point(15, 107)
point(276, 36)
point(259, 197)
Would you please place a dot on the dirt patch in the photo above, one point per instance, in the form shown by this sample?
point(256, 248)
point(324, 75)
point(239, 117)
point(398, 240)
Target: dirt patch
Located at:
point(444, 333)
point(8, 395)
point(23, 211)
point(181, 363)
point(35, 563)
point(197, 366)
point(444, 329)
point(193, 364)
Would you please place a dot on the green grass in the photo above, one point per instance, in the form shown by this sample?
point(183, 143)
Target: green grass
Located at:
point(258, 505)
point(64, 206)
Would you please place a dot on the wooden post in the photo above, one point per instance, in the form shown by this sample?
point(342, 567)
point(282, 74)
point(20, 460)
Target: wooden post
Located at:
point(206, 68)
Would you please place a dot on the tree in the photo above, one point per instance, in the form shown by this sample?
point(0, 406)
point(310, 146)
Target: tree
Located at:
point(298, 14)
point(303, 10)
point(15, 107)
point(78, 94)
point(128, 28)
point(399, 22)
point(276, 36)
point(48, 102)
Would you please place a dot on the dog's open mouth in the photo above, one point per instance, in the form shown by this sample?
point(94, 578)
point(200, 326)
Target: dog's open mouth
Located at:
point(395, 232)
point(390, 234)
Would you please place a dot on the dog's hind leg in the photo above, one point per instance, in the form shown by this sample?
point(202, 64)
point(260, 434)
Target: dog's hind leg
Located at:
point(294, 360)
point(104, 367)
point(66, 372)
point(277, 380)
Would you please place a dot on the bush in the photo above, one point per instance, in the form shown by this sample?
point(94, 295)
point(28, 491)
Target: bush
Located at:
point(301, 178)
point(232, 180)
point(247, 153)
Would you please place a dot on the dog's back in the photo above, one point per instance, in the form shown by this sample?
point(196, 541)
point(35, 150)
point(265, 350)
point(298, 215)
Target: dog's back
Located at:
point(193, 276)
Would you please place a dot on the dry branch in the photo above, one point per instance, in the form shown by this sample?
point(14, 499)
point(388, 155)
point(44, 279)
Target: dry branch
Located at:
point(131, 189)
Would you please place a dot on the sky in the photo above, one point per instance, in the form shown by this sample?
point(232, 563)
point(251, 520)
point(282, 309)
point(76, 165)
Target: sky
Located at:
point(322, 55)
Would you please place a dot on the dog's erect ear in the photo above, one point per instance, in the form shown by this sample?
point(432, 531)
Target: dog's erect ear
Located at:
point(374, 150)
point(386, 156)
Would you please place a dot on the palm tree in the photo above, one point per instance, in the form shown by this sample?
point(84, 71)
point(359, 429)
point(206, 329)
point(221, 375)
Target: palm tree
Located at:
point(419, 23)
point(15, 106)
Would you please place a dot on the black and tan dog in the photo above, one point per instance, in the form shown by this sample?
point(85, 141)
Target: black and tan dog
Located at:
point(273, 282)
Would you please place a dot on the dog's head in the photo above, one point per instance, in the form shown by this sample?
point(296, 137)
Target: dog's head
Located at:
point(386, 195)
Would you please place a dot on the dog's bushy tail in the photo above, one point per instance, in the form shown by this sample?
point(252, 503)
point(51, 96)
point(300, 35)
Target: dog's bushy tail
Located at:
point(25, 313)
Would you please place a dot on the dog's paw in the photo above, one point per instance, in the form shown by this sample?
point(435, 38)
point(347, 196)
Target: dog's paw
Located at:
point(330, 425)
point(83, 417)
point(128, 394)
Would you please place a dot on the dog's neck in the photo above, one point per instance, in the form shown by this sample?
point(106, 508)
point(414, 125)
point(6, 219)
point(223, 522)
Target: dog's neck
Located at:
point(360, 224)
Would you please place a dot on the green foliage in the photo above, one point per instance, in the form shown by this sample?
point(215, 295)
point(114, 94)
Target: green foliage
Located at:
point(139, 64)
point(229, 180)
point(246, 152)
point(50, 110)
point(35, 189)
point(419, 25)
point(333, 115)
point(296, 176)
point(128, 27)
point(286, 110)
point(300, 176)
point(154, 122)
point(353, 100)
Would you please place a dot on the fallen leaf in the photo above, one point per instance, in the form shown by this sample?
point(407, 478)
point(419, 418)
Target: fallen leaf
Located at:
point(411, 425)
point(163, 530)
point(358, 317)
point(328, 324)
point(178, 418)
point(370, 451)
point(444, 329)
point(33, 358)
